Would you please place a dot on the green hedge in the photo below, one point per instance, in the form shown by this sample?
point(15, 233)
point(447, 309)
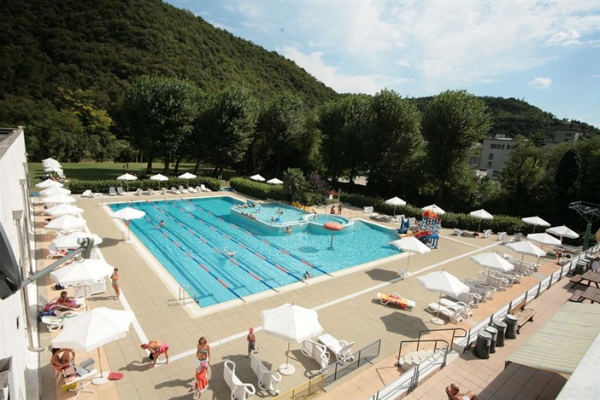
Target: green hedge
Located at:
point(500, 223)
point(258, 189)
point(77, 186)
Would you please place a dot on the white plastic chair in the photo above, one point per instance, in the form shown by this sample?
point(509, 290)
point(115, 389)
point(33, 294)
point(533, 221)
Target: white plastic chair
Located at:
point(239, 390)
point(267, 380)
point(317, 352)
point(453, 316)
point(368, 210)
point(341, 348)
point(462, 308)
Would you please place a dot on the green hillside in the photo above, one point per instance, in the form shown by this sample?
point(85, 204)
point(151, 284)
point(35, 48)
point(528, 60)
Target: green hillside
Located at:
point(104, 44)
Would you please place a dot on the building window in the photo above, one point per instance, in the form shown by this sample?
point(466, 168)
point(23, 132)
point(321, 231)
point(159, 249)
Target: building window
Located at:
point(489, 163)
point(491, 156)
point(494, 146)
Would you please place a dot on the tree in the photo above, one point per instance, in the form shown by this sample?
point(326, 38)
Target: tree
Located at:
point(394, 144)
point(567, 179)
point(453, 121)
point(295, 184)
point(158, 113)
point(227, 124)
point(281, 126)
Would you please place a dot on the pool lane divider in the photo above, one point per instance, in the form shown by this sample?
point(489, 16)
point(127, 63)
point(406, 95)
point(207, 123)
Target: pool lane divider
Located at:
point(148, 219)
point(203, 240)
point(234, 241)
point(245, 247)
point(261, 239)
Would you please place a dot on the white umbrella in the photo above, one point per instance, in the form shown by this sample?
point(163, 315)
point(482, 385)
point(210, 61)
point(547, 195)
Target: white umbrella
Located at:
point(434, 208)
point(444, 283)
point(292, 323)
point(128, 214)
point(481, 214)
point(93, 329)
point(160, 178)
point(63, 209)
point(535, 221)
point(53, 168)
point(48, 183)
point(275, 181)
point(543, 238)
point(51, 164)
point(492, 261)
point(66, 223)
point(51, 191)
point(395, 201)
point(49, 159)
point(71, 241)
point(257, 177)
point(562, 231)
point(187, 176)
point(58, 199)
point(411, 245)
point(82, 273)
point(526, 247)
point(127, 177)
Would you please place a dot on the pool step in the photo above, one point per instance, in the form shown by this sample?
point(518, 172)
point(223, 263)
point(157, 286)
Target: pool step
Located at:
point(413, 359)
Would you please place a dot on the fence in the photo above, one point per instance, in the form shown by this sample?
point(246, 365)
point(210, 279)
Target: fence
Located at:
point(307, 390)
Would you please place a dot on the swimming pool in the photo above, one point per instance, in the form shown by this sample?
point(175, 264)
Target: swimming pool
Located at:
point(193, 247)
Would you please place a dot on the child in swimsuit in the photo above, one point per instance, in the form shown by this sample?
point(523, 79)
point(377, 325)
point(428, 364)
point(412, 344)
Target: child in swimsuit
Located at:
point(251, 341)
point(115, 282)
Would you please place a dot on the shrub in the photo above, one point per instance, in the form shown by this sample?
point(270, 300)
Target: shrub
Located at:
point(258, 189)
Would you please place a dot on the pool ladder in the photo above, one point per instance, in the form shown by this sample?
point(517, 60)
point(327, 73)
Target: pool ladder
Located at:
point(186, 292)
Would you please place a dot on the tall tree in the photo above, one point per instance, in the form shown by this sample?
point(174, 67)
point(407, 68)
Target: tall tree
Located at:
point(158, 113)
point(453, 121)
point(395, 141)
point(227, 123)
point(280, 127)
point(568, 179)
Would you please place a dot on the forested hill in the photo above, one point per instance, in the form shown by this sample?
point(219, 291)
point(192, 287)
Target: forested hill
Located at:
point(104, 44)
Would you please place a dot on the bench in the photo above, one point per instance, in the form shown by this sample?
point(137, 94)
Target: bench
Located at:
point(267, 380)
point(575, 280)
point(524, 315)
point(239, 390)
point(577, 296)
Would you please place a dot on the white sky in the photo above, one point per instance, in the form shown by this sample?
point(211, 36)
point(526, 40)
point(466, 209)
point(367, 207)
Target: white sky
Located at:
point(546, 53)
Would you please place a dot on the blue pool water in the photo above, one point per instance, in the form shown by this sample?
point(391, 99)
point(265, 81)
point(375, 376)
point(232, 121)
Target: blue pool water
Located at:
point(198, 234)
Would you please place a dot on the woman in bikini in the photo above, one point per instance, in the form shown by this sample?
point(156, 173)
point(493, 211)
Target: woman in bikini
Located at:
point(115, 282)
point(156, 348)
point(203, 351)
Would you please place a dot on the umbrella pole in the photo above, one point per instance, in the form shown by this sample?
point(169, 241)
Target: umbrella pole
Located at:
point(331, 245)
point(287, 358)
point(479, 228)
point(100, 380)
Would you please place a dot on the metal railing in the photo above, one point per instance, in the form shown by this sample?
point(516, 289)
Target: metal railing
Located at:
point(306, 390)
point(186, 292)
point(340, 369)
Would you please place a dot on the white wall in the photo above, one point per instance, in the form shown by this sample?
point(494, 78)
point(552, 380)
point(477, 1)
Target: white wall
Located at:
point(13, 339)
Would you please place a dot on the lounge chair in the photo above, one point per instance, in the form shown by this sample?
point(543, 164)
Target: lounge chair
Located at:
point(88, 194)
point(316, 351)
point(174, 190)
point(239, 390)
point(341, 348)
point(368, 210)
point(193, 190)
point(470, 299)
point(182, 189)
point(458, 232)
point(163, 191)
point(120, 191)
point(55, 322)
point(204, 188)
point(462, 308)
point(453, 316)
point(486, 233)
point(396, 300)
point(267, 380)
point(139, 192)
point(501, 236)
point(54, 252)
point(149, 192)
point(112, 191)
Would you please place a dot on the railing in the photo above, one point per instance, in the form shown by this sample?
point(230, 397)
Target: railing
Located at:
point(340, 369)
point(307, 390)
point(186, 292)
point(438, 330)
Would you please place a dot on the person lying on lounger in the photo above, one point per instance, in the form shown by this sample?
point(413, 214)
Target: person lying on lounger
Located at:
point(395, 299)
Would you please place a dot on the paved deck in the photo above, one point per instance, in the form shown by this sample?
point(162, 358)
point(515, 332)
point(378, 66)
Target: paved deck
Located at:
point(346, 304)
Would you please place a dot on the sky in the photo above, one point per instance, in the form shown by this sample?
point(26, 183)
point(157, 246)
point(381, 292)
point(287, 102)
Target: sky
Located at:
point(546, 53)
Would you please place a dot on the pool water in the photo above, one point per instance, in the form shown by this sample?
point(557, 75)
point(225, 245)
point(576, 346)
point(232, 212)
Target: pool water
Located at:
point(272, 212)
point(222, 261)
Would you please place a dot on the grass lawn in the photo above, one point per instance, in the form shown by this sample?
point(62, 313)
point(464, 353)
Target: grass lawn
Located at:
point(91, 171)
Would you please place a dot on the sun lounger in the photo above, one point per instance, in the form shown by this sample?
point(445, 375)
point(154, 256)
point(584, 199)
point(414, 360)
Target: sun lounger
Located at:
point(54, 252)
point(267, 380)
point(396, 300)
point(89, 194)
point(120, 191)
point(239, 390)
point(462, 308)
point(193, 190)
point(458, 232)
point(368, 210)
point(341, 348)
point(112, 191)
point(174, 190)
point(204, 188)
point(182, 189)
point(453, 316)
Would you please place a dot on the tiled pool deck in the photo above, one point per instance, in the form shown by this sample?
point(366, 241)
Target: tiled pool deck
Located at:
point(347, 308)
